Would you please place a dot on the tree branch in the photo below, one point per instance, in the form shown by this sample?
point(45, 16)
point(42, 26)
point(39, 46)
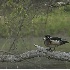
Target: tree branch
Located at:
point(40, 52)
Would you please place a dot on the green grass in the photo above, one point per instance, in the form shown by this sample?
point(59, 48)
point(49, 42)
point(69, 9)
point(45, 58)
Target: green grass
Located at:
point(58, 22)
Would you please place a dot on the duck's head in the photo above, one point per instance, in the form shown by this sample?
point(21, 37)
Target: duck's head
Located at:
point(46, 37)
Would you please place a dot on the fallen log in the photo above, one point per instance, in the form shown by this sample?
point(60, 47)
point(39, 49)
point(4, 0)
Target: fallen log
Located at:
point(40, 52)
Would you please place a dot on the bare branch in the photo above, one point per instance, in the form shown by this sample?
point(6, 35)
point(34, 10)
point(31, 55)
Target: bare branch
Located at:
point(40, 52)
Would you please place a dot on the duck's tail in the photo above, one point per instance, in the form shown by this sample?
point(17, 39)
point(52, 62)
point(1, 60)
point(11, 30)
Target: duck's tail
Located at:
point(63, 42)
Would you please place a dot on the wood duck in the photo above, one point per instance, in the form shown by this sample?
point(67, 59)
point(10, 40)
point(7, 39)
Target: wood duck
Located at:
point(53, 42)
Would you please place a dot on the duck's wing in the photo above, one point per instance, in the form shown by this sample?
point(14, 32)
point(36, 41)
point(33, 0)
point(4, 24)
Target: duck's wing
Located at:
point(55, 38)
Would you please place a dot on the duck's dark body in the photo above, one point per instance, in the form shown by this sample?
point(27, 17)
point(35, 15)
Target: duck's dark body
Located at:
point(53, 41)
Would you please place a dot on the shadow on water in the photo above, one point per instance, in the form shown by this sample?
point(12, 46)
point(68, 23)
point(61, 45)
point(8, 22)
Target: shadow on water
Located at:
point(36, 63)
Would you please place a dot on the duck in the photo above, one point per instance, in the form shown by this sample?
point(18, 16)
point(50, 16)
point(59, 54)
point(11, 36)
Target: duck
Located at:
point(52, 42)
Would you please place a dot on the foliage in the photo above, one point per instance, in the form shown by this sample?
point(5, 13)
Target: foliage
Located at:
point(57, 22)
point(24, 17)
point(67, 8)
